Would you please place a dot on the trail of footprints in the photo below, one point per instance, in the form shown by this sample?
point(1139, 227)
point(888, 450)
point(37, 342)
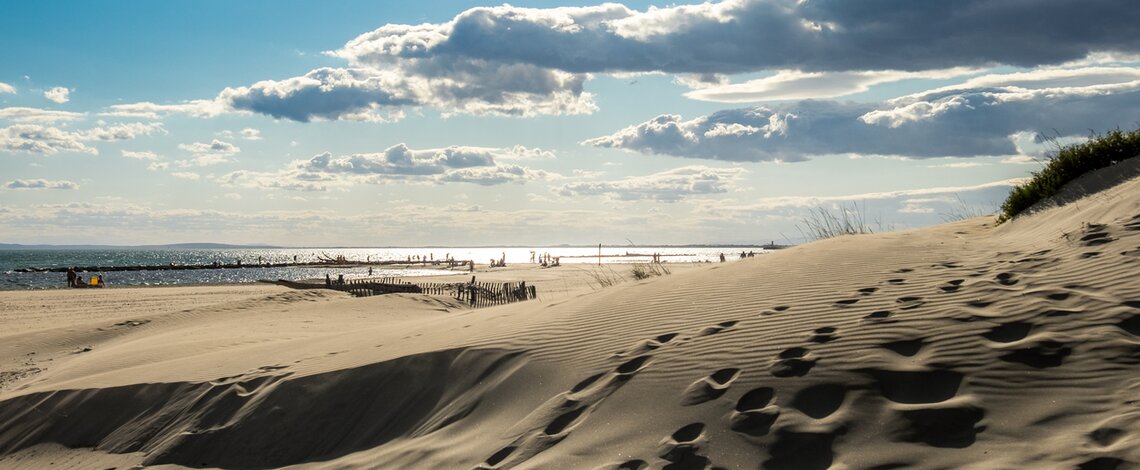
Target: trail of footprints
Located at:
point(554, 420)
point(930, 408)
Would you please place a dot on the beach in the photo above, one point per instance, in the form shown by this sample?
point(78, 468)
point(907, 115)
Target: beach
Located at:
point(964, 345)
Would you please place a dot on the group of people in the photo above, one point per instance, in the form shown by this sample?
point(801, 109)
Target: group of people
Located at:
point(75, 280)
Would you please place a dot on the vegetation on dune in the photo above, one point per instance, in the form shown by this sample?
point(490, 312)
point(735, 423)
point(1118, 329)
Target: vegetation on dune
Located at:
point(1067, 164)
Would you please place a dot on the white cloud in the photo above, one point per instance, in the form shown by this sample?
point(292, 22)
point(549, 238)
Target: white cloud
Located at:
point(6, 88)
point(959, 165)
point(990, 121)
point(57, 94)
point(186, 175)
point(799, 85)
point(206, 154)
point(398, 163)
point(667, 186)
point(41, 184)
point(43, 140)
point(126, 131)
point(148, 110)
point(158, 166)
point(141, 155)
point(250, 133)
point(38, 115)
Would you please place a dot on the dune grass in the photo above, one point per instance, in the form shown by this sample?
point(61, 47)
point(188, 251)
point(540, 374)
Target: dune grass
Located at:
point(822, 222)
point(1069, 163)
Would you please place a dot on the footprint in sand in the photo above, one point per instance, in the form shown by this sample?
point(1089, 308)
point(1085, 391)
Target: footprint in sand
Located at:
point(820, 401)
point(905, 347)
point(845, 302)
point(1096, 239)
point(1006, 279)
point(628, 368)
point(951, 427)
point(774, 310)
point(1131, 325)
point(710, 387)
point(979, 303)
point(823, 335)
point(719, 327)
point(793, 362)
point(917, 387)
point(1105, 437)
point(647, 345)
point(904, 270)
point(1009, 332)
point(909, 302)
point(878, 316)
point(896, 281)
point(681, 449)
point(801, 451)
point(867, 290)
point(1042, 354)
point(929, 415)
point(1134, 224)
point(952, 286)
point(1101, 463)
point(635, 464)
point(754, 414)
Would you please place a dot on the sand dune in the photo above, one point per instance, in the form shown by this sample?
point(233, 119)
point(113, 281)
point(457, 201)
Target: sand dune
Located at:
point(959, 346)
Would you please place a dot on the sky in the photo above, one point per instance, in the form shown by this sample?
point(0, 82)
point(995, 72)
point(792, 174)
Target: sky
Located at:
point(363, 123)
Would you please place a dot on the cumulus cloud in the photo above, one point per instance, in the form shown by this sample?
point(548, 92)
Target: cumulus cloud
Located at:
point(148, 110)
point(57, 94)
point(955, 121)
point(41, 184)
point(43, 140)
point(38, 115)
point(725, 37)
point(48, 140)
point(250, 133)
point(140, 155)
point(126, 131)
point(460, 164)
point(513, 61)
point(667, 186)
point(206, 154)
point(6, 88)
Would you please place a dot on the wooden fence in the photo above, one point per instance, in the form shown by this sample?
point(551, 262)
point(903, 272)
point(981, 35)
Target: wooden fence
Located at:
point(476, 294)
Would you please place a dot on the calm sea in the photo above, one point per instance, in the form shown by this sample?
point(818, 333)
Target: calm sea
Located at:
point(12, 260)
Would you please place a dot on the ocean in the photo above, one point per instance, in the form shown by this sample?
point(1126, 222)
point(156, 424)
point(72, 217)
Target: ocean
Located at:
point(14, 260)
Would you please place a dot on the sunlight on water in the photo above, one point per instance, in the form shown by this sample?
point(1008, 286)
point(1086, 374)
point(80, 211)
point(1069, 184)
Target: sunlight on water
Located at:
point(250, 258)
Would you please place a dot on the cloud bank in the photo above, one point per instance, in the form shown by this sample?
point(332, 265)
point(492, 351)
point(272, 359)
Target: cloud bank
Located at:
point(667, 186)
point(47, 140)
point(41, 184)
point(515, 61)
point(398, 163)
point(988, 115)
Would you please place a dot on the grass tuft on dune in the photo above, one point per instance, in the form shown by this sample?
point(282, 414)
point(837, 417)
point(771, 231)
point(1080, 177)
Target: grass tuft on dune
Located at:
point(1069, 163)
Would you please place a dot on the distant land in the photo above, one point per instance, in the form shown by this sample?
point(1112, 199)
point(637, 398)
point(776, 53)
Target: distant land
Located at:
point(210, 246)
point(173, 246)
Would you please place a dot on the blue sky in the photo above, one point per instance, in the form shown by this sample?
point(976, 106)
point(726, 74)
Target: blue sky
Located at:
point(393, 123)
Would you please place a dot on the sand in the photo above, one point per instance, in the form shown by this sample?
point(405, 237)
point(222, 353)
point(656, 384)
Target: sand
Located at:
point(966, 345)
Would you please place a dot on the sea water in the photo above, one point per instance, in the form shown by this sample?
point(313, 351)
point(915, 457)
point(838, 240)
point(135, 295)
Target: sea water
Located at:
point(15, 259)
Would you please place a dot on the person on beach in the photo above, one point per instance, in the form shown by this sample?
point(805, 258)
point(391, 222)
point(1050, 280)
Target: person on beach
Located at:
point(71, 277)
point(722, 257)
point(78, 281)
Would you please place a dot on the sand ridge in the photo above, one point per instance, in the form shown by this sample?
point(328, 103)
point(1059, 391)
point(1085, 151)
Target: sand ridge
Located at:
point(958, 346)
